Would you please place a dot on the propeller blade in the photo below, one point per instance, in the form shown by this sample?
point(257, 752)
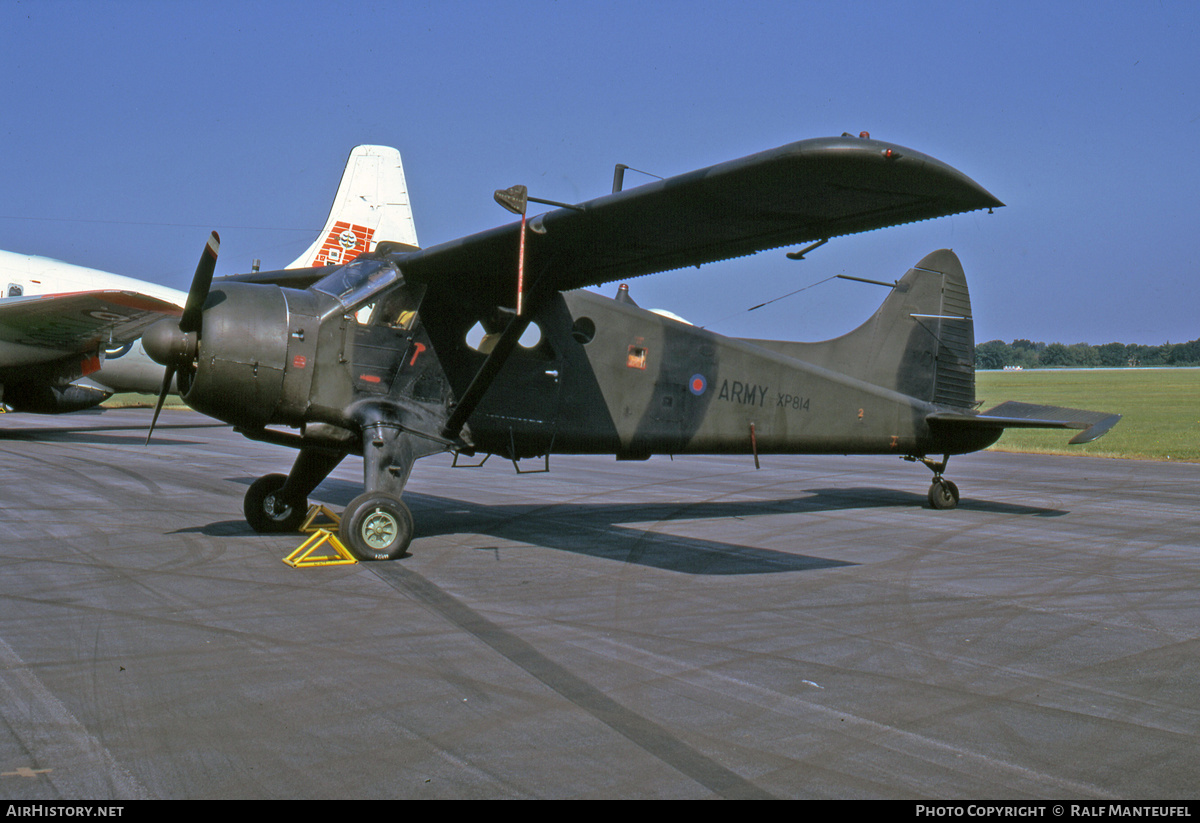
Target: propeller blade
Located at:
point(162, 396)
point(201, 282)
point(189, 321)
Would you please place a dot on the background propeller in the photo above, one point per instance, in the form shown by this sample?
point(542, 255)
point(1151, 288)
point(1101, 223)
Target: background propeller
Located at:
point(174, 344)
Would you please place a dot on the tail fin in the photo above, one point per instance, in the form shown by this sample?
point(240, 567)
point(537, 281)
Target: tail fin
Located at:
point(921, 341)
point(371, 205)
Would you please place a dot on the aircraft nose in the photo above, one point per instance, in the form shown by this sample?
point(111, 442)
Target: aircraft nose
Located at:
point(234, 372)
point(167, 345)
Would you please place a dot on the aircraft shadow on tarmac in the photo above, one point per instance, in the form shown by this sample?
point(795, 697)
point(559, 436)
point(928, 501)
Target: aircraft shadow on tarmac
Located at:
point(867, 497)
point(622, 532)
point(100, 436)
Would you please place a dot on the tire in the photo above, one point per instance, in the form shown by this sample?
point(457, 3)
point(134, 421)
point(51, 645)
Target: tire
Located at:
point(943, 494)
point(266, 513)
point(376, 526)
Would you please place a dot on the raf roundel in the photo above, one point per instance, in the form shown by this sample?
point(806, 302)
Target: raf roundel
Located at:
point(698, 384)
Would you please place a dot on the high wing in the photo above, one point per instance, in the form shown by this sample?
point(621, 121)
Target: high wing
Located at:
point(53, 326)
point(798, 193)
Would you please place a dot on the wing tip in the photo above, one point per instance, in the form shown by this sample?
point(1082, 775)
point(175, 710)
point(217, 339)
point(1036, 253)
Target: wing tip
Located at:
point(1095, 431)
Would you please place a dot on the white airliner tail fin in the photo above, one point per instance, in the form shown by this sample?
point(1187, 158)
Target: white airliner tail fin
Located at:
point(371, 205)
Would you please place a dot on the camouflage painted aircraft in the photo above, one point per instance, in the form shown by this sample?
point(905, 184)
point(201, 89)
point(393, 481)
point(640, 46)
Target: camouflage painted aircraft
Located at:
point(376, 357)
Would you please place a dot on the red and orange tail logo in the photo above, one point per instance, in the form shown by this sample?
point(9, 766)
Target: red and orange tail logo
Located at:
point(344, 243)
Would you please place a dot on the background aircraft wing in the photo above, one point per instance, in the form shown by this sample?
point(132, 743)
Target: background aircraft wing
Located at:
point(798, 193)
point(79, 321)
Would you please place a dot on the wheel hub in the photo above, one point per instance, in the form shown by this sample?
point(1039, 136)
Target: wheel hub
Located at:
point(275, 507)
point(379, 529)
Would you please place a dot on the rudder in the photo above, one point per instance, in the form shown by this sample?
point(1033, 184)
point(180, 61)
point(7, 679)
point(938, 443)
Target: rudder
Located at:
point(954, 377)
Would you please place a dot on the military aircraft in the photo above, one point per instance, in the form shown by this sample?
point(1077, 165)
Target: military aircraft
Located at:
point(376, 358)
point(69, 335)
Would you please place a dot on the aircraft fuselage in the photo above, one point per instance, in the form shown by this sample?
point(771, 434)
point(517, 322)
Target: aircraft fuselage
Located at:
point(647, 384)
point(605, 377)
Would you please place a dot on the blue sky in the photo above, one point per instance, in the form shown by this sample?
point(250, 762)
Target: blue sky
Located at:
point(131, 128)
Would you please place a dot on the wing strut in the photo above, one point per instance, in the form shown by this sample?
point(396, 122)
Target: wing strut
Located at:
point(483, 379)
point(514, 199)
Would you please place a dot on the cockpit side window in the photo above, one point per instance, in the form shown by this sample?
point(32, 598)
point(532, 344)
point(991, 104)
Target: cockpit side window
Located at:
point(398, 308)
point(14, 290)
point(359, 283)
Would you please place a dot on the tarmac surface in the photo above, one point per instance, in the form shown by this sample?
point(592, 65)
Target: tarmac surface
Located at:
point(687, 628)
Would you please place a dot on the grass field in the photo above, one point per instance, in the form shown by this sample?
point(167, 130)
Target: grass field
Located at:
point(1160, 408)
point(137, 401)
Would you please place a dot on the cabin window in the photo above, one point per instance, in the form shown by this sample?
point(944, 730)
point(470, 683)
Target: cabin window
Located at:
point(480, 339)
point(531, 337)
point(14, 290)
point(584, 330)
point(397, 309)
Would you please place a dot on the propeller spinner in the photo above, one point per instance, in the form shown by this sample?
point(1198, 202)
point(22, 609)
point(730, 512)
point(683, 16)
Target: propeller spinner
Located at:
point(174, 344)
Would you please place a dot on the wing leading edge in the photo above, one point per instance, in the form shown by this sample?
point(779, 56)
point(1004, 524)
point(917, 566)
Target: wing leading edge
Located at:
point(798, 193)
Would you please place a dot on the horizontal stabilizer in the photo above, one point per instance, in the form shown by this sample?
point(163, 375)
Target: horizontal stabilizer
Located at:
point(1016, 415)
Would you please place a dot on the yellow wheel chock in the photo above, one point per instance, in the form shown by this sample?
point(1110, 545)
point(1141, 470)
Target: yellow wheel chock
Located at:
point(319, 536)
point(309, 525)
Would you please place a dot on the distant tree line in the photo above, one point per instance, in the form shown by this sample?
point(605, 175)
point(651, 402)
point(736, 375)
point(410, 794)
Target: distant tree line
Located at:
point(996, 354)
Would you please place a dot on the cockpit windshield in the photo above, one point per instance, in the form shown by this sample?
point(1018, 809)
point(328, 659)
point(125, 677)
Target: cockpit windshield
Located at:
point(359, 282)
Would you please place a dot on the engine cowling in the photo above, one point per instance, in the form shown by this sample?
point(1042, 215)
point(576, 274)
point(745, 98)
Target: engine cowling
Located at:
point(241, 355)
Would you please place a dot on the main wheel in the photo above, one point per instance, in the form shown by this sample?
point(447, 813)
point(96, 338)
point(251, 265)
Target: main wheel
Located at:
point(267, 512)
point(943, 494)
point(376, 526)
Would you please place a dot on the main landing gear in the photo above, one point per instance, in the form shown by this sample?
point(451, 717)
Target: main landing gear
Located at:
point(943, 494)
point(268, 511)
point(377, 525)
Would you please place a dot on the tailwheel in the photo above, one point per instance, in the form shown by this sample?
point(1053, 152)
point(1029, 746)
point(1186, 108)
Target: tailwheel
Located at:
point(267, 511)
point(943, 494)
point(376, 526)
